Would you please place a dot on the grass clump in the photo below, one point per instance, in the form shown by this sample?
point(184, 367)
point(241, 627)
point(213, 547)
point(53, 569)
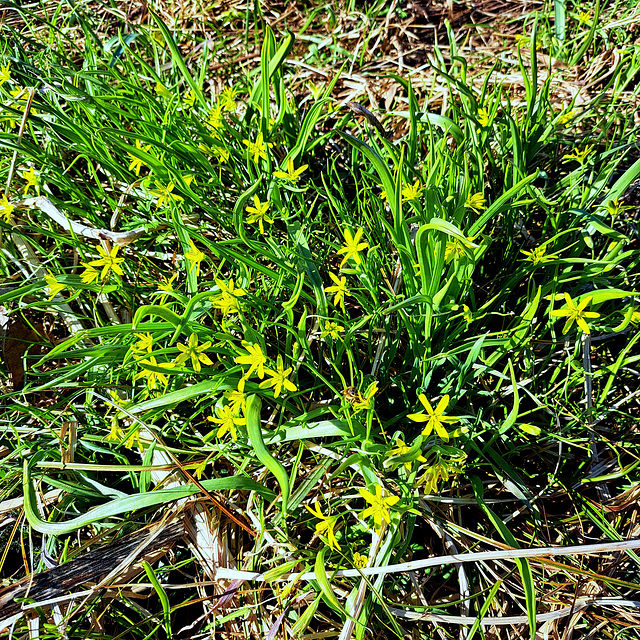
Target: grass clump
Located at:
point(321, 339)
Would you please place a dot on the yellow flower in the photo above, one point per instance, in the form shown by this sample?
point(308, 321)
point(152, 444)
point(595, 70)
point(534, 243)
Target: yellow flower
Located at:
point(144, 345)
point(292, 174)
point(475, 202)
point(455, 249)
point(194, 352)
point(137, 162)
point(615, 208)
point(360, 561)
point(402, 449)
point(483, 117)
point(537, 255)
point(383, 193)
point(340, 290)
point(108, 262)
point(379, 508)
point(255, 359)
point(635, 317)
point(575, 313)
point(215, 120)
point(227, 421)
point(161, 90)
point(434, 419)
point(6, 209)
point(90, 274)
point(115, 433)
point(352, 246)
point(30, 177)
point(189, 99)
point(279, 379)
point(259, 213)
point(153, 377)
point(331, 329)
point(227, 299)
point(53, 285)
point(257, 149)
point(432, 475)
point(237, 398)
point(195, 257)
point(467, 314)
point(584, 17)
point(567, 116)
point(227, 99)
point(5, 73)
point(326, 525)
point(578, 156)
point(412, 191)
point(366, 401)
point(226, 303)
point(165, 193)
point(166, 286)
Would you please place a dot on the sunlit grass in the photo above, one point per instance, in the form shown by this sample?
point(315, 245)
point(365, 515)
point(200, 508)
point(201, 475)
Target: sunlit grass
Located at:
point(339, 333)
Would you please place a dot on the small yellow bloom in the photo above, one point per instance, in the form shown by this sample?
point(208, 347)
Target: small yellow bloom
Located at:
point(292, 174)
point(352, 246)
point(432, 475)
point(189, 99)
point(5, 73)
point(144, 345)
point(255, 359)
point(476, 202)
point(137, 162)
point(6, 209)
point(227, 99)
point(412, 191)
point(566, 117)
point(584, 17)
point(31, 179)
point(279, 379)
point(108, 262)
point(456, 249)
point(537, 255)
point(331, 329)
point(153, 377)
point(195, 257)
point(227, 421)
point(237, 398)
point(227, 299)
point(90, 274)
point(402, 449)
point(635, 317)
point(54, 287)
point(257, 149)
point(467, 314)
point(326, 525)
point(483, 117)
point(340, 290)
point(366, 401)
point(165, 194)
point(360, 560)
point(258, 213)
point(575, 314)
point(578, 156)
point(379, 508)
point(195, 352)
point(215, 120)
point(434, 419)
